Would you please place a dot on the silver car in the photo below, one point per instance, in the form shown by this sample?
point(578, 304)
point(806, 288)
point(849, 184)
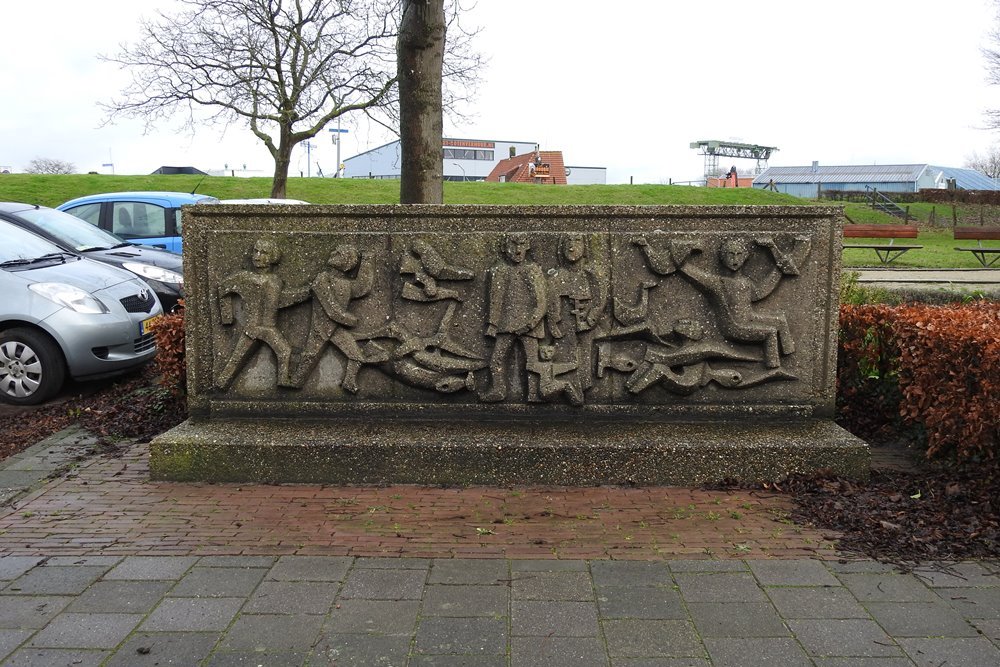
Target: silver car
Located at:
point(63, 314)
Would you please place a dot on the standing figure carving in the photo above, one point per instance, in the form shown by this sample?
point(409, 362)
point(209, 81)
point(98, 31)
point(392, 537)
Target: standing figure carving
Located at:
point(331, 320)
point(576, 303)
point(732, 293)
point(263, 294)
point(517, 307)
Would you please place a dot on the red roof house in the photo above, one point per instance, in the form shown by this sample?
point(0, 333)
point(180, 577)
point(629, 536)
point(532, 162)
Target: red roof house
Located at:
point(535, 167)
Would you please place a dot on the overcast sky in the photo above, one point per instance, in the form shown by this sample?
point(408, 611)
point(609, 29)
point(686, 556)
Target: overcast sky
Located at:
point(626, 85)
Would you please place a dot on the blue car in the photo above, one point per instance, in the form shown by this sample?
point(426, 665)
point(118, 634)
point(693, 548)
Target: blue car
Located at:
point(149, 218)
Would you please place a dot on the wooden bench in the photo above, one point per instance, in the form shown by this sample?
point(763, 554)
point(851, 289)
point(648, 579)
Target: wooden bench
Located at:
point(980, 234)
point(887, 252)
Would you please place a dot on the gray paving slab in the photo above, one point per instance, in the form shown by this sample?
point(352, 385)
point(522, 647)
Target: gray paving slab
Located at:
point(533, 565)
point(219, 582)
point(720, 587)
point(920, 619)
point(381, 617)
point(352, 650)
point(392, 563)
point(237, 561)
point(257, 659)
point(468, 571)
point(121, 597)
point(887, 588)
point(30, 611)
point(55, 580)
point(630, 573)
point(192, 615)
point(844, 638)
point(55, 657)
point(458, 661)
point(949, 652)
point(707, 566)
point(977, 603)
point(792, 573)
point(281, 634)
point(816, 602)
point(444, 600)
point(12, 567)
point(149, 568)
point(309, 568)
point(757, 652)
point(861, 567)
point(957, 575)
point(539, 585)
point(106, 561)
point(11, 638)
point(292, 597)
point(557, 652)
point(538, 618)
point(97, 631)
point(650, 638)
point(864, 662)
point(737, 619)
point(650, 602)
point(473, 636)
point(380, 584)
point(153, 649)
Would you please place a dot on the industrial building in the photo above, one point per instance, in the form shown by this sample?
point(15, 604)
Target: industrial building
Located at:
point(809, 181)
point(463, 160)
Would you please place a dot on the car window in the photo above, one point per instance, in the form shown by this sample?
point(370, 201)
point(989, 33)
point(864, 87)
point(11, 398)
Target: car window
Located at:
point(21, 244)
point(89, 212)
point(70, 230)
point(133, 220)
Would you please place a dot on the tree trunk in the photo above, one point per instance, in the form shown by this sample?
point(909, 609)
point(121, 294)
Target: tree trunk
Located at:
point(282, 161)
point(420, 57)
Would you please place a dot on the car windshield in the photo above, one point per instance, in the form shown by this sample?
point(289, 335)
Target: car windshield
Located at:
point(70, 230)
point(20, 244)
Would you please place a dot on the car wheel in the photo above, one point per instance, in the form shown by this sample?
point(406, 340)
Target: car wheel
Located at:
point(31, 367)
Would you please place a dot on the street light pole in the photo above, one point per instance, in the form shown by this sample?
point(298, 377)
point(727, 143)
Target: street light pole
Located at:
point(336, 140)
point(462, 168)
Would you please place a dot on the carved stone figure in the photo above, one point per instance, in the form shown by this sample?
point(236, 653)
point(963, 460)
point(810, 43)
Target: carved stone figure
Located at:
point(517, 307)
point(426, 267)
point(547, 370)
point(576, 303)
point(331, 321)
point(263, 294)
point(732, 293)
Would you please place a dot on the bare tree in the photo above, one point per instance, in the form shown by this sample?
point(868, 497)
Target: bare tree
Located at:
point(286, 68)
point(987, 162)
point(46, 165)
point(420, 55)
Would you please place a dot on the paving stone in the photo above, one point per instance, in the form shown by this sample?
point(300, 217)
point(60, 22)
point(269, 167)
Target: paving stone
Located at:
point(736, 619)
point(164, 648)
point(458, 661)
point(792, 573)
point(237, 561)
point(660, 662)
point(152, 567)
point(956, 575)
point(989, 628)
point(121, 597)
point(281, 634)
point(977, 652)
point(557, 651)
point(861, 567)
point(384, 584)
point(11, 638)
point(292, 597)
point(648, 638)
point(102, 631)
point(534, 565)
point(816, 602)
point(63, 561)
point(20, 479)
point(256, 659)
point(887, 588)
point(352, 650)
point(537, 618)
point(640, 602)
point(864, 662)
point(55, 580)
point(55, 657)
point(392, 563)
point(218, 582)
point(843, 638)
point(192, 615)
point(630, 573)
point(723, 587)
point(12, 567)
point(979, 603)
point(30, 611)
point(920, 619)
point(465, 601)
point(757, 652)
point(689, 566)
point(468, 571)
point(477, 636)
point(385, 617)
point(309, 568)
point(537, 585)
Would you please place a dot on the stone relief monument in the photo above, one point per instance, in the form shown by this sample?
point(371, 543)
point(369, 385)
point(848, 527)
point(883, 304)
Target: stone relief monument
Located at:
point(647, 337)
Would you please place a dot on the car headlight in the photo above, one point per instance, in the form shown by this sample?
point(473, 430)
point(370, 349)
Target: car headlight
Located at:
point(154, 273)
point(70, 297)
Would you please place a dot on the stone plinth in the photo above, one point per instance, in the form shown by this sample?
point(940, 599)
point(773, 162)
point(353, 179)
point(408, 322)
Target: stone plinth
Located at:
point(464, 344)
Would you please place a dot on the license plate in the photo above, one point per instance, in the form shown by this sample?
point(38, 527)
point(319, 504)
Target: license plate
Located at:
point(146, 326)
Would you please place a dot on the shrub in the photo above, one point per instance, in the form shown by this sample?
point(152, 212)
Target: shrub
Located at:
point(934, 368)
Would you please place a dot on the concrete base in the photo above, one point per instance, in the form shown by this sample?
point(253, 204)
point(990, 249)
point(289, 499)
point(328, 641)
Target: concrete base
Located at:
point(502, 454)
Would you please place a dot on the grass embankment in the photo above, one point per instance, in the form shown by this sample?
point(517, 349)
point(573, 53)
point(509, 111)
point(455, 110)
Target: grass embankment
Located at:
point(935, 236)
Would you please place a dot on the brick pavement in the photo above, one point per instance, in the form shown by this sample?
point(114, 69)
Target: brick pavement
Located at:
point(107, 506)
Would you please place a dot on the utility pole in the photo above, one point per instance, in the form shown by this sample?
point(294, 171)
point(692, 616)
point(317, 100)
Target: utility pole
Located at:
point(336, 132)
